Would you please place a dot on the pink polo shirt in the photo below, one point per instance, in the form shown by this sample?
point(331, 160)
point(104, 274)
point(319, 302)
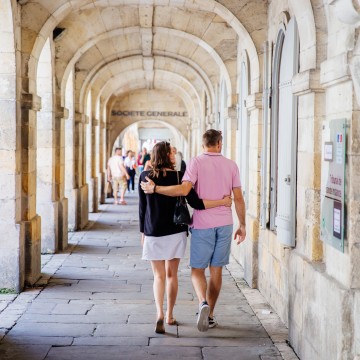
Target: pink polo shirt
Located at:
point(213, 177)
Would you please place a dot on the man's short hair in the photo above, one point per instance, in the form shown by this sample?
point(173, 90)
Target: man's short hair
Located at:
point(211, 138)
point(118, 148)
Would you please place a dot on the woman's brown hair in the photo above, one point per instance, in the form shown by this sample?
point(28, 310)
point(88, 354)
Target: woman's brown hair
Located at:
point(160, 159)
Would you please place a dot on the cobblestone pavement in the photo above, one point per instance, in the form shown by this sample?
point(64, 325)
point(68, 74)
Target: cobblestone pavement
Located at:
point(95, 301)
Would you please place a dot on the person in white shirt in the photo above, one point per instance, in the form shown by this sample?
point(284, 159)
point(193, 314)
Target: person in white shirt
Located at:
point(118, 175)
point(130, 166)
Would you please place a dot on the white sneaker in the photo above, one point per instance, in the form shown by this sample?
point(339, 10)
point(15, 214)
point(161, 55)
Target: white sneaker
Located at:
point(212, 322)
point(203, 317)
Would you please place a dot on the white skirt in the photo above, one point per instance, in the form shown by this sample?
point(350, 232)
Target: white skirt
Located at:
point(164, 247)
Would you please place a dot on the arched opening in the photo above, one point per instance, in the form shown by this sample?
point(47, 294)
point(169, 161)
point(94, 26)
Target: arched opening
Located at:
point(69, 153)
point(45, 139)
point(284, 135)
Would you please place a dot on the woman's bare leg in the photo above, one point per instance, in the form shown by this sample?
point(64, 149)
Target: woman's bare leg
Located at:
point(172, 267)
point(158, 268)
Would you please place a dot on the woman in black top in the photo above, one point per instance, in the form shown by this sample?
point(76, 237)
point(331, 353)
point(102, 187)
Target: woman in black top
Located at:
point(164, 242)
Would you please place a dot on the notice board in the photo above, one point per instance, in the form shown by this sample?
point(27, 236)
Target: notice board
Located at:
point(333, 183)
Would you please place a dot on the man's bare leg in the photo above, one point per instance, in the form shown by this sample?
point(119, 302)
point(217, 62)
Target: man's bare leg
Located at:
point(214, 287)
point(199, 283)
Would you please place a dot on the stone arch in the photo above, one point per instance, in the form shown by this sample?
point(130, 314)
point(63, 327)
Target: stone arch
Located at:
point(107, 93)
point(179, 137)
point(303, 12)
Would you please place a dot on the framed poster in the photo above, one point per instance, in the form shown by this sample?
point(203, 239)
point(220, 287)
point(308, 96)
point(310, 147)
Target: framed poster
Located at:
point(333, 183)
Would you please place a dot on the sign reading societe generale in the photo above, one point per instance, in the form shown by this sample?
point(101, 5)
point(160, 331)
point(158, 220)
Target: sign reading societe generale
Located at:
point(149, 113)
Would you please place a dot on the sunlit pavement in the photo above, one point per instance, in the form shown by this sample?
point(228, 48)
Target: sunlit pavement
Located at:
point(95, 301)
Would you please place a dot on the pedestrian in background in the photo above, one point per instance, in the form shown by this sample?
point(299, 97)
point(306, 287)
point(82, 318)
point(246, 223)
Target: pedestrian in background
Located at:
point(117, 176)
point(130, 166)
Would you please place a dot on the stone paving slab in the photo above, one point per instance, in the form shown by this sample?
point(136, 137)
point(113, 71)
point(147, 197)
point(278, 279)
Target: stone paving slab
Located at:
point(95, 301)
point(212, 341)
point(111, 340)
point(124, 353)
point(23, 352)
point(51, 329)
point(40, 340)
point(243, 353)
point(120, 318)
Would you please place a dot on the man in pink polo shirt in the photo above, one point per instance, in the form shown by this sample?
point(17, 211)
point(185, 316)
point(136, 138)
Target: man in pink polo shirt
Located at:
point(213, 177)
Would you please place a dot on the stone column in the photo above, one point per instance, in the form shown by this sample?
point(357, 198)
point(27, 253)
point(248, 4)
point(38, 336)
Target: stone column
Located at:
point(102, 167)
point(189, 139)
point(231, 122)
point(248, 252)
point(30, 224)
point(210, 122)
point(62, 222)
point(81, 188)
point(94, 168)
point(311, 111)
point(12, 248)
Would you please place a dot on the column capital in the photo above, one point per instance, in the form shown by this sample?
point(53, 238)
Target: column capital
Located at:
point(30, 102)
point(232, 112)
point(62, 113)
point(79, 117)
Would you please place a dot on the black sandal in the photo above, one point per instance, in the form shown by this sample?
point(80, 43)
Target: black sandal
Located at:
point(160, 328)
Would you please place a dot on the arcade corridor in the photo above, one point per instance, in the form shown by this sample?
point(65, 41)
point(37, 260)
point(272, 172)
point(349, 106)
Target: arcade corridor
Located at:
point(279, 79)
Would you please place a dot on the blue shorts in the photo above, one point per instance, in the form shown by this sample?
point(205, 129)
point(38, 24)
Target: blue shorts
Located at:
point(210, 246)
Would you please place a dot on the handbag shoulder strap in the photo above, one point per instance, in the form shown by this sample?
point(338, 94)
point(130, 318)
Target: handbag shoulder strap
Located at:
point(177, 174)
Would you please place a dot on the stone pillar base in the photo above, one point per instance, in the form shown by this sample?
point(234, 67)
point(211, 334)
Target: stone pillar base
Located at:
point(95, 194)
point(63, 224)
point(247, 253)
point(50, 229)
point(12, 258)
point(31, 235)
point(82, 207)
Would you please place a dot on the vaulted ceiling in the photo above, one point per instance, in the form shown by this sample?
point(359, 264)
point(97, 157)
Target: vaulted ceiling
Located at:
point(188, 47)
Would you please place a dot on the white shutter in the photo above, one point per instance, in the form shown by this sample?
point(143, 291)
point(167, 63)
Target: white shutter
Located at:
point(264, 151)
point(287, 139)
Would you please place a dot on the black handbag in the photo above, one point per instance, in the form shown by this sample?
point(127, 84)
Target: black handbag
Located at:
point(181, 213)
